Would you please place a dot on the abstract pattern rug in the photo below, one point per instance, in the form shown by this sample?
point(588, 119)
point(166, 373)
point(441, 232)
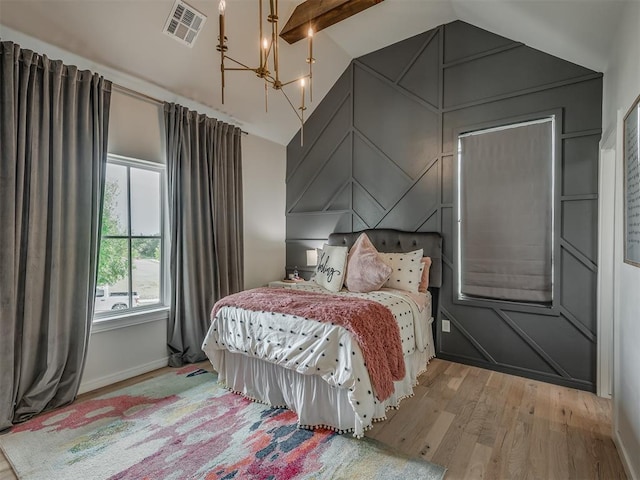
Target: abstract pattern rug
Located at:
point(183, 425)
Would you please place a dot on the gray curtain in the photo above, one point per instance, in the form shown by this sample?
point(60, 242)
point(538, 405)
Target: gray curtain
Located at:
point(507, 213)
point(53, 140)
point(204, 165)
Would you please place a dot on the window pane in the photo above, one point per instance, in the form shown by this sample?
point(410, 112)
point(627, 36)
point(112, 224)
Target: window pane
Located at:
point(115, 220)
point(113, 275)
point(131, 269)
point(146, 270)
point(145, 202)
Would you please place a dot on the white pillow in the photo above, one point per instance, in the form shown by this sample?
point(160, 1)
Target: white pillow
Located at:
point(332, 263)
point(407, 270)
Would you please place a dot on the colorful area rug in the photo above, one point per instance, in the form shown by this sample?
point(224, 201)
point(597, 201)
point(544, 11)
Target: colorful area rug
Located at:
point(182, 425)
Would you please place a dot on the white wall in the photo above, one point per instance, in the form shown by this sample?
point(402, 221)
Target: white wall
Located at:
point(116, 351)
point(621, 87)
point(263, 177)
point(123, 352)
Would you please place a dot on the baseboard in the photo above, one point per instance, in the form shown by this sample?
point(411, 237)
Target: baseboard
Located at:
point(624, 457)
point(520, 372)
point(123, 375)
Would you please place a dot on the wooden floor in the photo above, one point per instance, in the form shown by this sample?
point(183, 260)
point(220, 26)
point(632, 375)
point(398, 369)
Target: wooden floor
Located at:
point(484, 424)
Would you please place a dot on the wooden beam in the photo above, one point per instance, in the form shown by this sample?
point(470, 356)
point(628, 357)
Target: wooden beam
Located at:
point(319, 14)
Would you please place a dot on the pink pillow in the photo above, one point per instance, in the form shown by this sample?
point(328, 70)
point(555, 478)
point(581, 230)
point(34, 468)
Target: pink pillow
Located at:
point(365, 271)
point(424, 281)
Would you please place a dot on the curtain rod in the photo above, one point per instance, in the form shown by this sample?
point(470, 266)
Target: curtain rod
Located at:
point(135, 93)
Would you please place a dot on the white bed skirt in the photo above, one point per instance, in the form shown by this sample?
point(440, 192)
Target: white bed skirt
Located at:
point(316, 403)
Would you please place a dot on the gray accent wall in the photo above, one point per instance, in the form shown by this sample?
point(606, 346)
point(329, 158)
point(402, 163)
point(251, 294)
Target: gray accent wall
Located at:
point(378, 153)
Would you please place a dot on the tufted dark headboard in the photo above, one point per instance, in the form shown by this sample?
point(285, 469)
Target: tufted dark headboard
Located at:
point(388, 240)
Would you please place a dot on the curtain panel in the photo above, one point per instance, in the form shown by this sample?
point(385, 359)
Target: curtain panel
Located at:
point(204, 172)
point(53, 141)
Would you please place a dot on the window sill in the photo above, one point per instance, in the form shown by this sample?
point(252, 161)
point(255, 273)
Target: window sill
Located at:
point(550, 309)
point(129, 319)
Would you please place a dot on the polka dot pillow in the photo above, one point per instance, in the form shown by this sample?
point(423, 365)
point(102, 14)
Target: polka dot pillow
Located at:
point(407, 270)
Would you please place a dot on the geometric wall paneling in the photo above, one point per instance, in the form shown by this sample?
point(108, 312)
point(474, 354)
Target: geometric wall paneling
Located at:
point(577, 325)
point(503, 73)
point(393, 62)
point(463, 40)
point(379, 106)
point(329, 140)
point(573, 353)
point(582, 111)
point(376, 172)
point(366, 206)
point(578, 115)
point(460, 342)
point(386, 121)
point(532, 347)
point(422, 77)
point(430, 220)
point(447, 179)
point(345, 224)
point(431, 224)
point(580, 168)
point(421, 198)
point(447, 214)
point(578, 290)
point(320, 119)
point(314, 226)
point(358, 225)
point(504, 344)
point(342, 201)
point(329, 181)
point(579, 226)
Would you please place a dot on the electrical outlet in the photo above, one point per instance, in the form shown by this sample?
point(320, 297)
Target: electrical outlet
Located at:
point(446, 326)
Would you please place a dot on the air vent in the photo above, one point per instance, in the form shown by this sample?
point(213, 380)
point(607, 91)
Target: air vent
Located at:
point(184, 23)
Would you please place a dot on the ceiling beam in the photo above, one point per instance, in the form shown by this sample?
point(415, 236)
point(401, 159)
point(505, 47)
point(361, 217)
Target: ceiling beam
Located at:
point(319, 14)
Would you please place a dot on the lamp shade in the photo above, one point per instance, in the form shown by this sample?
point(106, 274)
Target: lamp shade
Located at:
point(312, 258)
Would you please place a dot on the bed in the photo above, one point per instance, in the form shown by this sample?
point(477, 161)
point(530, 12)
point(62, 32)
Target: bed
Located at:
point(319, 369)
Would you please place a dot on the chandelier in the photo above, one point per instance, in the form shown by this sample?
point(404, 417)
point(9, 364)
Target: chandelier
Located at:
point(268, 69)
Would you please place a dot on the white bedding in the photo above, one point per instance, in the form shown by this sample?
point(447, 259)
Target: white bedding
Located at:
point(314, 368)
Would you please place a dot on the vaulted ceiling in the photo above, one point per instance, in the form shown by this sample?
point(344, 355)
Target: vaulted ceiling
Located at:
point(126, 36)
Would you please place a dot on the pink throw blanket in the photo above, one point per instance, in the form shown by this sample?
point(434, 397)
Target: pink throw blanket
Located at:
point(373, 325)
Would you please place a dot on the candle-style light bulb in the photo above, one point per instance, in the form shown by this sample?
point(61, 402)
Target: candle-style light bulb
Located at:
point(265, 52)
point(302, 109)
point(221, 8)
point(310, 61)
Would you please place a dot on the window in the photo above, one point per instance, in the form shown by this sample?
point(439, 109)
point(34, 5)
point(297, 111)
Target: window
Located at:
point(131, 258)
point(505, 213)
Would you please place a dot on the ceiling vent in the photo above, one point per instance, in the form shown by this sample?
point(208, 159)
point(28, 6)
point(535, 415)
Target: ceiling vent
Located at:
point(184, 23)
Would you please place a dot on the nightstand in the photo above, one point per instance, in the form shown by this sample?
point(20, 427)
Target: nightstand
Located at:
point(284, 284)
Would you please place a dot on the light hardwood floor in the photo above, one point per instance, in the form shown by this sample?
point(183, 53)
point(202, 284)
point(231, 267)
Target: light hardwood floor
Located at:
point(488, 425)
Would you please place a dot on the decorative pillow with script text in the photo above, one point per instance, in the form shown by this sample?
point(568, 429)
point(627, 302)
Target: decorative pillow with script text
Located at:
point(332, 263)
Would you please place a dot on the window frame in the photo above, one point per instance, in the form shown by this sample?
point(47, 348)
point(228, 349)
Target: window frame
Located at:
point(552, 308)
point(110, 319)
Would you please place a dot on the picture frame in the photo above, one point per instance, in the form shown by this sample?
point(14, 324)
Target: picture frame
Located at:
point(631, 166)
